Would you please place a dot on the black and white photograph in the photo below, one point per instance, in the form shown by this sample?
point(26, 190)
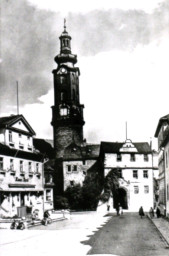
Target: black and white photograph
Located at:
point(84, 128)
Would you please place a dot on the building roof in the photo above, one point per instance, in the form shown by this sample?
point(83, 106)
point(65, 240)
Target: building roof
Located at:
point(161, 121)
point(7, 151)
point(75, 152)
point(114, 147)
point(8, 121)
point(44, 147)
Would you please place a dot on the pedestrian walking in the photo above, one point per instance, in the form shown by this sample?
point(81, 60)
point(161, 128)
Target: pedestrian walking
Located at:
point(141, 212)
point(151, 212)
point(158, 213)
point(117, 209)
point(121, 210)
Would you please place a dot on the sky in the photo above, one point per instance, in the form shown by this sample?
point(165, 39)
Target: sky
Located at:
point(123, 56)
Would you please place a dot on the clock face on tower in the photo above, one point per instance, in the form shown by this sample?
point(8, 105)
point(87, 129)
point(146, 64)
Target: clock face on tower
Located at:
point(62, 71)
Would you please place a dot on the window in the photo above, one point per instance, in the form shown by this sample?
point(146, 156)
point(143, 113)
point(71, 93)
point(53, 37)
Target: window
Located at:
point(132, 158)
point(1, 163)
point(21, 146)
point(74, 168)
point(62, 79)
point(28, 137)
point(21, 166)
point(10, 136)
point(11, 164)
point(145, 174)
point(119, 157)
point(29, 166)
point(20, 135)
point(72, 182)
point(84, 162)
point(37, 167)
point(48, 195)
point(64, 111)
point(136, 189)
point(145, 157)
point(68, 168)
point(146, 189)
point(135, 174)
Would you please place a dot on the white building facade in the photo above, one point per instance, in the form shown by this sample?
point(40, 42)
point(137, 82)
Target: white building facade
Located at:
point(135, 165)
point(21, 169)
point(162, 133)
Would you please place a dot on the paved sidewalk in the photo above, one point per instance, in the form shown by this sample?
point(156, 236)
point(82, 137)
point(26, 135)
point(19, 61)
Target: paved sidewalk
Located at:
point(163, 227)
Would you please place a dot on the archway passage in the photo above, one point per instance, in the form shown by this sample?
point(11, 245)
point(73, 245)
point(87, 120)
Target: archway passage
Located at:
point(120, 197)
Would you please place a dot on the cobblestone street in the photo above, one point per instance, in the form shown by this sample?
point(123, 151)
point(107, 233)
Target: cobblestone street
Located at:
point(128, 235)
point(90, 233)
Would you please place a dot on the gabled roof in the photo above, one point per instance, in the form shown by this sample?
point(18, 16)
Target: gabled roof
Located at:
point(8, 121)
point(76, 152)
point(114, 147)
point(161, 121)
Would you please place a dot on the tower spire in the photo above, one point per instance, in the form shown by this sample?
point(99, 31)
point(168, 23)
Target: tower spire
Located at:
point(64, 25)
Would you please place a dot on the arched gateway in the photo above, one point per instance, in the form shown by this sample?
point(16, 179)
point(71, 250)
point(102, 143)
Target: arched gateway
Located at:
point(121, 197)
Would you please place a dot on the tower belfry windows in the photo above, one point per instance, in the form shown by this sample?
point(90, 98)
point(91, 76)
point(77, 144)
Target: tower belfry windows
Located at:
point(64, 111)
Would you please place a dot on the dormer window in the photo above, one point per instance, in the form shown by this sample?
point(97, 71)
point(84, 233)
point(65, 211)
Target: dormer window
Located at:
point(145, 157)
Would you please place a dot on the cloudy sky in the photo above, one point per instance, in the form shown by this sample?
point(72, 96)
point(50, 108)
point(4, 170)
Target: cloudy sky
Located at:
point(123, 56)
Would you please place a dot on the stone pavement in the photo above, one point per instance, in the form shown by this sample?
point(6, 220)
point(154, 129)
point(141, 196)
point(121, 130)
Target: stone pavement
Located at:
point(162, 225)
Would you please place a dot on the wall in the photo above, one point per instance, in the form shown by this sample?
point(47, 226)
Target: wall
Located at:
point(25, 140)
point(76, 176)
point(129, 182)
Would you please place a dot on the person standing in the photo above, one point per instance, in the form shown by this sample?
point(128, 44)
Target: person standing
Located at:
point(158, 213)
point(141, 212)
point(151, 212)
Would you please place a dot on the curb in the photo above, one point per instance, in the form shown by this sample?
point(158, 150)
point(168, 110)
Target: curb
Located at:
point(161, 235)
point(40, 224)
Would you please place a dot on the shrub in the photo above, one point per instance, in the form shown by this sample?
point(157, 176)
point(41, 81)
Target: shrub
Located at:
point(61, 202)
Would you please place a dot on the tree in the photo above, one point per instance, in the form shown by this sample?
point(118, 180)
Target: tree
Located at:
point(74, 197)
point(91, 191)
point(111, 185)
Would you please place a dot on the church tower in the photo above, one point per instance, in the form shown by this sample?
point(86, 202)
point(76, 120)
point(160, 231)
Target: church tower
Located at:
point(67, 112)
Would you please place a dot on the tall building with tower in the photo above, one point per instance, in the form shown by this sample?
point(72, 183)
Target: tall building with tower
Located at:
point(67, 116)
point(73, 156)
